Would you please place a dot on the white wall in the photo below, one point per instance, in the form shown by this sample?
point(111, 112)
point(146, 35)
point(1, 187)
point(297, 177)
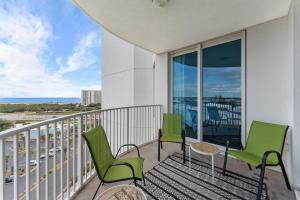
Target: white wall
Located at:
point(269, 84)
point(269, 89)
point(143, 77)
point(294, 17)
point(127, 73)
point(117, 71)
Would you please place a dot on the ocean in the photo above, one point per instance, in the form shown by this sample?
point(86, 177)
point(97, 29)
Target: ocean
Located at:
point(36, 100)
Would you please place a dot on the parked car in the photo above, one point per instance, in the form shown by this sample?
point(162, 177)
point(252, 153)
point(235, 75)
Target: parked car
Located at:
point(51, 152)
point(9, 179)
point(33, 162)
point(42, 156)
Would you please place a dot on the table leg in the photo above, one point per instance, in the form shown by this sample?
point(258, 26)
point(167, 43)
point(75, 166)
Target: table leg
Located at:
point(213, 168)
point(190, 158)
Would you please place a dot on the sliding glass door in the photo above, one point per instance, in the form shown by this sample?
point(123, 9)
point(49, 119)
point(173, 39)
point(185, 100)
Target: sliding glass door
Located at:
point(207, 89)
point(221, 93)
point(185, 90)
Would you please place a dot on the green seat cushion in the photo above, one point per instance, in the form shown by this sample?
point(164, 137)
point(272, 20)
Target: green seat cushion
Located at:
point(250, 158)
point(124, 172)
point(171, 138)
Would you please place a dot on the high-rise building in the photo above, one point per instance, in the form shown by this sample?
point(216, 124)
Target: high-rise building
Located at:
point(90, 97)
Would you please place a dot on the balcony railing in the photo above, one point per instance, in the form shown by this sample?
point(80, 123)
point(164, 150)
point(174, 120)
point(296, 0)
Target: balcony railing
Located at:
point(227, 108)
point(49, 159)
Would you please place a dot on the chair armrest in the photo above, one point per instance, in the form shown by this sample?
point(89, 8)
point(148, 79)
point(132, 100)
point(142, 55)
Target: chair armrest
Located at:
point(265, 157)
point(136, 147)
point(119, 164)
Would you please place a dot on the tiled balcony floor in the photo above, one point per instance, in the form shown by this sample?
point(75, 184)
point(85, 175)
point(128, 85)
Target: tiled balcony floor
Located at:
point(276, 186)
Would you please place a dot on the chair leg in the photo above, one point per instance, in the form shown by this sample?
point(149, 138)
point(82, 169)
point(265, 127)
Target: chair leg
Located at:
point(225, 158)
point(144, 179)
point(134, 182)
point(97, 190)
point(261, 181)
point(183, 145)
point(284, 173)
point(158, 156)
point(225, 163)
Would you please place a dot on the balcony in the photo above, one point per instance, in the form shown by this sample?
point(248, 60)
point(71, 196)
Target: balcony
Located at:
point(274, 180)
point(38, 151)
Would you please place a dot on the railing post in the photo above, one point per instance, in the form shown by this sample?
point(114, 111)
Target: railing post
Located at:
point(54, 160)
point(160, 116)
point(38, 163)
point(68, 159)
point(62, 160)
point(79, 164)
point(27, 146)
point(16, 165)
point(74, 153)
point(47, 162)
point(2, 169)
point(128, 128)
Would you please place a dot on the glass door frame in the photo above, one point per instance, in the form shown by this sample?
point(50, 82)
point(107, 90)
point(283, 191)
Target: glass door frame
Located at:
point(179, 53)
point(198, 48)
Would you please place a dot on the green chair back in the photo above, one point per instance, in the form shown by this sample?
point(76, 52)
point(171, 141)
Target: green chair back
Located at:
point(172, 123)
point(99, 149)
point(265, 137)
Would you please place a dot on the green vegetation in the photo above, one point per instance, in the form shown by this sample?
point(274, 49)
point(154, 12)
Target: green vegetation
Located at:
point(5, 125)
point(46, 108)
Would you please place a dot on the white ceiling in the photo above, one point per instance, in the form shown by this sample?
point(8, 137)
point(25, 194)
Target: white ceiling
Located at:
point(181, 22)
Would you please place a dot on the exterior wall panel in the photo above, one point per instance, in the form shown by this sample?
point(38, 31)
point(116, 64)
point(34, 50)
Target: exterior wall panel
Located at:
point(269, 86)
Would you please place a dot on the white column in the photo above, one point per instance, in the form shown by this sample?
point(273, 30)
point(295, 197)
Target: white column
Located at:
point(161, 80)
point(296, 62)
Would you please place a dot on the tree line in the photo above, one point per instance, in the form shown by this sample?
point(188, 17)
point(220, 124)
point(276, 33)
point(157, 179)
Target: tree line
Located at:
point(42, 108)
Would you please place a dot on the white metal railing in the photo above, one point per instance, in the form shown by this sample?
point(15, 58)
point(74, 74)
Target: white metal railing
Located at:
point(50, 160)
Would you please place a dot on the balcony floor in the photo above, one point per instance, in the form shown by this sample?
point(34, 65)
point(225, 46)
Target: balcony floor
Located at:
point(274, 180)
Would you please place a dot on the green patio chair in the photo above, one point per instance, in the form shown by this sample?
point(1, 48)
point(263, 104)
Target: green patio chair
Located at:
point(263, 148)
point(110, 169)
point(171, 132)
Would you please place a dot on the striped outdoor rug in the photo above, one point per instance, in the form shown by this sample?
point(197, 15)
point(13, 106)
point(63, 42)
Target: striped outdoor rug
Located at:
point(173, 180)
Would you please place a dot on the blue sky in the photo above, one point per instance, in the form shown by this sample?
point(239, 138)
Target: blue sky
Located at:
point(185, 80)
point(217, 81)
point(47, 49)
point(222, 81)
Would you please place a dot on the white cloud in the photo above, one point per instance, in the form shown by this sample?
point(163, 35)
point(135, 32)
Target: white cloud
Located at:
point(24, 46)
point(82, 56)
point(91, 87)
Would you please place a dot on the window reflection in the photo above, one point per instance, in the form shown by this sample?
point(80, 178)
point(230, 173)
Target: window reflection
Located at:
point(221, 91)
point(185, 91)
